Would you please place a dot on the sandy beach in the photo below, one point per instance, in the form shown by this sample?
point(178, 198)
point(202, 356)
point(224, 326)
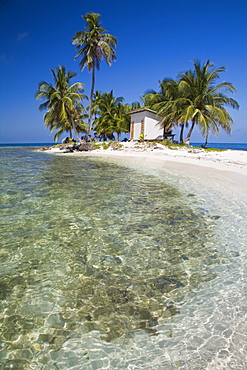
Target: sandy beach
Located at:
point(228, 168)
point(231, 160)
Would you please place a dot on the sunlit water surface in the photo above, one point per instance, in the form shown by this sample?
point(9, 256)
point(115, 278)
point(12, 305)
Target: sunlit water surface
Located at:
point(112, 266)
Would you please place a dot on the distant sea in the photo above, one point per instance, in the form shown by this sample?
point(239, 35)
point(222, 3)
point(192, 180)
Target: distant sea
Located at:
point(232, 146)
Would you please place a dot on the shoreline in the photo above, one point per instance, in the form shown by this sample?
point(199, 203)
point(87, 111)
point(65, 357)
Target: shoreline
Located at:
point(227, 168)
point(233, 160)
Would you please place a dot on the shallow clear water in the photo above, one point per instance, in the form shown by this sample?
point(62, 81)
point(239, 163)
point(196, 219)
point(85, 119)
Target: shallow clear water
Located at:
point(114, 266)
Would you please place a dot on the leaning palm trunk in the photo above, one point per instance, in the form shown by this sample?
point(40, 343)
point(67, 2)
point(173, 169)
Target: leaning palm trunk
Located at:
point(75, 130)
point(164, 132)
point(187, 140)
point(206, 141)
point(181, 138)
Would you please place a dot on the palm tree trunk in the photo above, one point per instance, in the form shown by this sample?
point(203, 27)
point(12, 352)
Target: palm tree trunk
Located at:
point(187, 140)
point(181, 139)
point(75, 130)
point(206, 141)
point(91, 102)
point(164, 132)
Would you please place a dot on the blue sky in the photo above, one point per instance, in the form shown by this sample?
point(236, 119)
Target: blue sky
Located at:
point(156, 39)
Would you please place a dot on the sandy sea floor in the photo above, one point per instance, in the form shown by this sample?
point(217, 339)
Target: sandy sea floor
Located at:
point(210, 332)
point(126, 219)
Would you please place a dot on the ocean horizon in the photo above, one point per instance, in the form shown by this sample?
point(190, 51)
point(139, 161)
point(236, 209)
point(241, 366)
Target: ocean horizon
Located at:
point(232, 146)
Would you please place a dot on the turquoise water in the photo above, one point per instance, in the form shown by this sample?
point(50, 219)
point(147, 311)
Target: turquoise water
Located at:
point(232, 146)
point(114, 266)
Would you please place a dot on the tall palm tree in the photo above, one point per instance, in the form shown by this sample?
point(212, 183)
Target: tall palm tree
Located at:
point(202, 101)
point(62, 101)
point(93, 45)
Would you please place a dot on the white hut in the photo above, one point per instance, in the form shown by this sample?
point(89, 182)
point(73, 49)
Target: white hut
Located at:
point(145, 122)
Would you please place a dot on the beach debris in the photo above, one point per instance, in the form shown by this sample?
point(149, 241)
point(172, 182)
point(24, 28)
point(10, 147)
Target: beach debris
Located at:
point(83, 147)
point(196, 150)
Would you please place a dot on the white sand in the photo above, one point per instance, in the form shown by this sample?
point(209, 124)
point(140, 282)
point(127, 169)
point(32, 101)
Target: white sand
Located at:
point(229, 168)
point(231, 160)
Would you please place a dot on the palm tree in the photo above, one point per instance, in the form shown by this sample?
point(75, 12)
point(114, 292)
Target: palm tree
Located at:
point(122, 120)
point(132, 106)
point(96, 99)
point(162, 103)
point(93, 45)
point(112, 114)
point(64, 110)
point(149, 98)
point(202, 101)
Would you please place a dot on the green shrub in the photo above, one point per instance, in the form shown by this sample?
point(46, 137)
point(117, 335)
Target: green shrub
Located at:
point(166, 142)
point(106, 144)
point(213, 150)
point(97, 145)
point(116, 145)
point(142, 137)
